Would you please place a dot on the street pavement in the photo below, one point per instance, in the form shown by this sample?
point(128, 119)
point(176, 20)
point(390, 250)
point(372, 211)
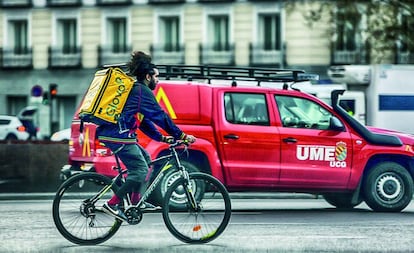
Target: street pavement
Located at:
point(235, 195)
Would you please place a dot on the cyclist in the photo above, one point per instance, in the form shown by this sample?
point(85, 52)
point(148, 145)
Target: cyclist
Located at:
point(141, 111)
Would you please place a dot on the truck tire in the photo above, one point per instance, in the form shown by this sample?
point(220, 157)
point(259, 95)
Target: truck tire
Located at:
point(157, 197)
point(341, 200)
point(388, 187)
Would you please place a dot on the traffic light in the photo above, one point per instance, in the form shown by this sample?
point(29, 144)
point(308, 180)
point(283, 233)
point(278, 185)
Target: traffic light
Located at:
point(53, 90)
point(45, 100)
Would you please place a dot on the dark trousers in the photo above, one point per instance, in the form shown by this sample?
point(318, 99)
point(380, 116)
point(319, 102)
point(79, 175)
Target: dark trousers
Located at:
point(136, 160)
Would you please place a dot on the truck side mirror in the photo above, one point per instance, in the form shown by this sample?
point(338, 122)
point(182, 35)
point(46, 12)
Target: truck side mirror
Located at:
point(335, 124)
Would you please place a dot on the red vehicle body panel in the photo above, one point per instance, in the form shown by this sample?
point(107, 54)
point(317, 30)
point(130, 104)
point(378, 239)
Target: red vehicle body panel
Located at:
point(251, 157)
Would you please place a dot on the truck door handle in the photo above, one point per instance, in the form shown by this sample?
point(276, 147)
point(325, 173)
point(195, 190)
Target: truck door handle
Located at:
point(231, 136)
point(290, 140)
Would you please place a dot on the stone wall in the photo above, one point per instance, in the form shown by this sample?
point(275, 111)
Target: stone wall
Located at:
point(31, 166)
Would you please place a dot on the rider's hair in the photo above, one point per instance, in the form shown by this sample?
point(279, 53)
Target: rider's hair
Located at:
point(140, 65)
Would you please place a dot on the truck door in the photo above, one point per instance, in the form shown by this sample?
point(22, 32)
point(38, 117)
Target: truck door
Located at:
point(250, 146)
point(312, 155)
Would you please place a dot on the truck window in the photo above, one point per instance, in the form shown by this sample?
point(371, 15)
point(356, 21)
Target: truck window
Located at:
point(302, 113)
point(246, 109)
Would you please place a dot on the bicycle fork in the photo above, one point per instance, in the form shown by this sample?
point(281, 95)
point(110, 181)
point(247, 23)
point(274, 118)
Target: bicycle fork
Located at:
point(187, 183)
point(189, 191)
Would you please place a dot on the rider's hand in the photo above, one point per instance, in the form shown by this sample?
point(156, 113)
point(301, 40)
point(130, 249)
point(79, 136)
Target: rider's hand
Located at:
point(189, 138)
point(168, 139)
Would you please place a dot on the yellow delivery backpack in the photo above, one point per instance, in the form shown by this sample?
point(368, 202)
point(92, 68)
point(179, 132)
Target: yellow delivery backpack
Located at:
point(106, 96)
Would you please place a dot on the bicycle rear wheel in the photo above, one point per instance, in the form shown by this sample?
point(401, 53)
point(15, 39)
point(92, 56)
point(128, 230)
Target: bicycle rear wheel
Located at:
point(208, 219)
point(77, 216)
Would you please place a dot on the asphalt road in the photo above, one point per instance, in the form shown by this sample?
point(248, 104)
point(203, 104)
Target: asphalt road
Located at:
point(257, 225)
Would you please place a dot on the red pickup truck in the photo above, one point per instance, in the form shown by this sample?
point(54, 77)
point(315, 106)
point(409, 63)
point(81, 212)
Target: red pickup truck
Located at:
point(255, 138)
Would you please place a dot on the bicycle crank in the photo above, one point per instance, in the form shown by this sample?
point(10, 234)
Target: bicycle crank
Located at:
point(134, 215)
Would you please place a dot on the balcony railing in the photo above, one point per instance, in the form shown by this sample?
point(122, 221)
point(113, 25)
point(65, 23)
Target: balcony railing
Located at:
point(359, 55)
point(15, 3)
point(166, 1)
point(259, 56)
point(162, 54)
point(12, 58)
point(113, 2)
point(404, 57)
point(107, 54)
point(63, 3)
point(65, 57)
point(214, 1)
point(210, 54)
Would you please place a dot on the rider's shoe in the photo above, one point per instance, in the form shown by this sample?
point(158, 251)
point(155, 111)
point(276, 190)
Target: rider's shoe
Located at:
point(114, 211)
point(145, 206)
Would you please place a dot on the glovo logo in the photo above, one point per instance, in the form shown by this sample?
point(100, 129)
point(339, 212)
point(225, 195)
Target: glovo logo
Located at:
point(112, 107)
point(162, 96)
point(86, 148)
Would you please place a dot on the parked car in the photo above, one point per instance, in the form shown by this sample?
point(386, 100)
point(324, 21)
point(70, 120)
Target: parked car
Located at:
point(62, 135)
point(268, 139)
point(11, 128)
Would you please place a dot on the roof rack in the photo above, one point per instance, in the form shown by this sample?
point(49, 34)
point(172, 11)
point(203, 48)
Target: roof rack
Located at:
point(210, 72)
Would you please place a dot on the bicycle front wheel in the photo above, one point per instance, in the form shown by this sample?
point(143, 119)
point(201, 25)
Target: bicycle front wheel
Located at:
point(207, 219)
point(77, 209)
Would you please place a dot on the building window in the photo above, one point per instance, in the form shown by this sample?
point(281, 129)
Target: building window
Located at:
point(269, 31)
point(15, 104)
point(405, 52)
point(348, 46)
point(67, 35)
point(66, 52)
point(170, 33)
point(15, 3)
point(17, 52)
point(168, 48)
point(63, 3)
point(346, 31)
point(18, 39)
point(266, 48)
point(218, 32)
point(117, 34)
point(116, 46)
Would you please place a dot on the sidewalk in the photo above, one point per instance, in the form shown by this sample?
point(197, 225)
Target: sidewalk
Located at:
point(235, 195)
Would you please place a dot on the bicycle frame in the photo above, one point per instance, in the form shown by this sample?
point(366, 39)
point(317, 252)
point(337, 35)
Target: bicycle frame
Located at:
point(170, 159)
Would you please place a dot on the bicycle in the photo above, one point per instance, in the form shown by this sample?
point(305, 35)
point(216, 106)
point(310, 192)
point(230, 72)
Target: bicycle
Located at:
point(196, 208)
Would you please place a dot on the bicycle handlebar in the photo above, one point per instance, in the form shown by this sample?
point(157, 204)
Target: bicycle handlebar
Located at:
point(178, 143)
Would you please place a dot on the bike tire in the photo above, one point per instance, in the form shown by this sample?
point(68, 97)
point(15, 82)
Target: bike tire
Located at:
point(205, 224)
point(78, 220)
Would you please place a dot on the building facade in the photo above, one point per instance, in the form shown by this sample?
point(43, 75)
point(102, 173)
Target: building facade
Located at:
point(64, 42)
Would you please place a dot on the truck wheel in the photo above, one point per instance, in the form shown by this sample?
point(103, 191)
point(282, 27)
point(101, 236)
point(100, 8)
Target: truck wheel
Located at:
point(388, 187)
point(341, 200)
point(158, 195)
